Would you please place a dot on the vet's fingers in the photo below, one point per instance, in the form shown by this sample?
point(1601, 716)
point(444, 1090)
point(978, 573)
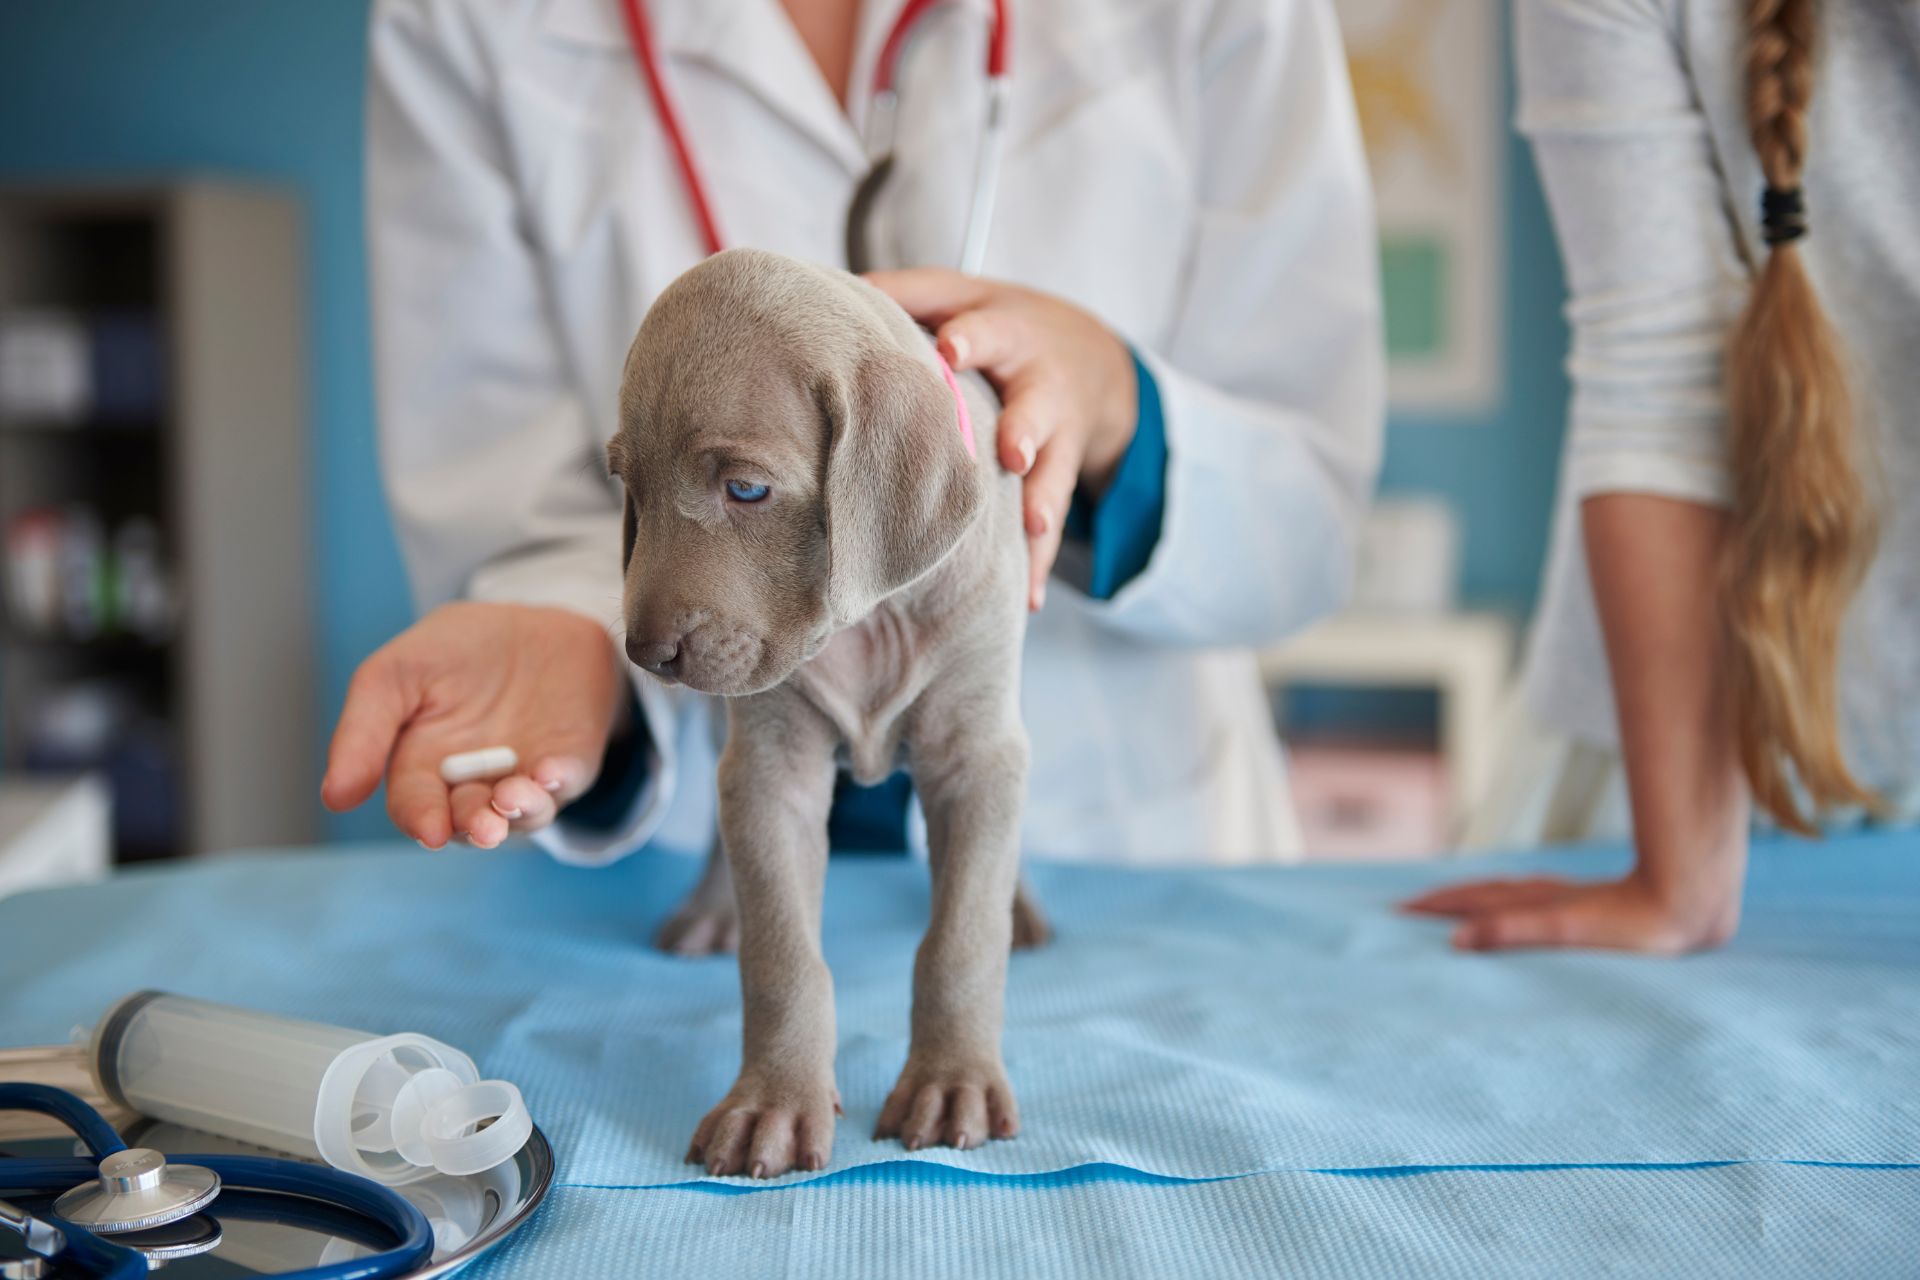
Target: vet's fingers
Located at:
point(524, 803)
point(1026, 424)
point(997, 341)
point(1484, 895)
point(1046, 495)
point(473, 815)
point(417, 798)
point(931, 295)
point(565, 778)
point(1048, 490)
point(1038, 413)
point(376, 709)
point(1042, 551)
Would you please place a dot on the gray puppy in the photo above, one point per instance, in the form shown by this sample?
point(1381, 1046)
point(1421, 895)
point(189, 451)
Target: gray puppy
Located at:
point(810, 535)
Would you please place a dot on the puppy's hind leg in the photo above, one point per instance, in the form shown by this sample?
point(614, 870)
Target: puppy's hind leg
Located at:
point(706, 922)
point(1030, 927)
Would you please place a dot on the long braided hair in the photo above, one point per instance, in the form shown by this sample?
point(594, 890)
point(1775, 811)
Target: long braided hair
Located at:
point(1802, 524)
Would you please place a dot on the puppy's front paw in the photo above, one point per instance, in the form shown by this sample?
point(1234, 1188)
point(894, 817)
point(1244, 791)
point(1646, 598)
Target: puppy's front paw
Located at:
point(952, 1104)
point(764, 1129)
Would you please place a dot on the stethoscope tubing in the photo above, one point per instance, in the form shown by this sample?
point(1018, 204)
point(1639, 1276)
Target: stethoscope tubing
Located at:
point(640, 31)
point(99, 1257)
point(360, 1196)
point(879, 142)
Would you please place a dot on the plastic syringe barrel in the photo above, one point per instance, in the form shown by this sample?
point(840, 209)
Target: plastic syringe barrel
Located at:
point(245, 1075)
point(394, 1108)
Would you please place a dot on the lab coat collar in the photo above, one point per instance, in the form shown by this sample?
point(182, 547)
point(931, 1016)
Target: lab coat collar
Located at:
point(751, 41)
point(678, 27)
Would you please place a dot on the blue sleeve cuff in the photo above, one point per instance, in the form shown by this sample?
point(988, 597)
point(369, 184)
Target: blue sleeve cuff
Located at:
point(1124, 525)
point(623, 772)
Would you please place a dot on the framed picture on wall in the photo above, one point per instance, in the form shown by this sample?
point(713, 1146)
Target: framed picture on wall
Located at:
point(1429, 79)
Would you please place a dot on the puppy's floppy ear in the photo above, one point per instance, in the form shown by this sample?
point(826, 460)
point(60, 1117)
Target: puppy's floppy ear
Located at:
point(629, 527)
point(901, 483)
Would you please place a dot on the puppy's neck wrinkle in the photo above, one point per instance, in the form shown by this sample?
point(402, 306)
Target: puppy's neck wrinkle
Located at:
point(864, 680)
point(867, 677)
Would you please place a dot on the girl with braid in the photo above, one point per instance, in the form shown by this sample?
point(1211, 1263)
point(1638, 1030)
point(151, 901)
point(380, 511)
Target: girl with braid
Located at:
point(1730, 626)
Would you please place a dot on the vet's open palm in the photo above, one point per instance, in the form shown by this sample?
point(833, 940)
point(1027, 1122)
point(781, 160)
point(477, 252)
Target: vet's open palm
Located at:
point(545, 682)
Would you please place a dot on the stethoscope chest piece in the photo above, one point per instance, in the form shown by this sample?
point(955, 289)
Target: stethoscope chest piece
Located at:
point(138, 1190)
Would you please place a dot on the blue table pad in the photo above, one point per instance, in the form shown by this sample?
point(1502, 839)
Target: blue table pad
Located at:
point(1211, 1046)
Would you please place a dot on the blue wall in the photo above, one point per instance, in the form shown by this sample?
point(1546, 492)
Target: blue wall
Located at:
point(271, 89)
point(266, 89)
point(1499, 469)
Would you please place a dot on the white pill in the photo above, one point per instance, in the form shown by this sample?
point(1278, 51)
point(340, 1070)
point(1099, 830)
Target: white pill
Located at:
point(474, 766)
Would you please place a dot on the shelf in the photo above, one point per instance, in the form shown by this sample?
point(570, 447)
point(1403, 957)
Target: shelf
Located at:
point(213, 451)
point(115, 646)
point(44, 429)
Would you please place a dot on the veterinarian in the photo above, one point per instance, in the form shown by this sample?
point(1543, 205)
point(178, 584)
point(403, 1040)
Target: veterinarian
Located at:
point(1734, 186)
point(1178, 301)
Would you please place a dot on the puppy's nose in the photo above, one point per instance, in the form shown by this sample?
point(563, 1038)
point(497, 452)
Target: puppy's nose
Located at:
point(657, 656)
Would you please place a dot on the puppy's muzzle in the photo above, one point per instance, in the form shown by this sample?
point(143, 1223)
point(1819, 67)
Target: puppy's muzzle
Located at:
point(661, 657)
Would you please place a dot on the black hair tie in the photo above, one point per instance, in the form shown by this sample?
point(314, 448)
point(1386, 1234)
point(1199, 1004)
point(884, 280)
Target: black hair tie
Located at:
point(1783, 214)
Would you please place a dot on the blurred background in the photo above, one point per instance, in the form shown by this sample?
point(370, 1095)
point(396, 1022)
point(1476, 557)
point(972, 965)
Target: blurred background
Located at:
point(196, 549)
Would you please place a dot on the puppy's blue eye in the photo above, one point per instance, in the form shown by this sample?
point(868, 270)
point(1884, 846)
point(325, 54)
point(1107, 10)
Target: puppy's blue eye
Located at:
point(741, 491)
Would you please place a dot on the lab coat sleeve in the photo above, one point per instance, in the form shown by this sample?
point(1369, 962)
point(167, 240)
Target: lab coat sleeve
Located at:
point(1652, 259)
point(1272, 374)
point(492, 465)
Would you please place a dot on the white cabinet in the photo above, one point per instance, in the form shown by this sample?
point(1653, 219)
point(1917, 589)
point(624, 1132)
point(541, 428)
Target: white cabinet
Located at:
point(1464, 657)
point(53, 832)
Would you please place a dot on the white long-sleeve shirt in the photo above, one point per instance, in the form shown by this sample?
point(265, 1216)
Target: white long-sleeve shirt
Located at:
point(1191, 173)
point(1636, 109)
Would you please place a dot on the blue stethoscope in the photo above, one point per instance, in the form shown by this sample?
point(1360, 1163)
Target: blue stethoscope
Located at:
point(123, 1190)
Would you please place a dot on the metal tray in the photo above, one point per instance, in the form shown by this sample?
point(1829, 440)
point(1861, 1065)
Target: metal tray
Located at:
point(264, 1234)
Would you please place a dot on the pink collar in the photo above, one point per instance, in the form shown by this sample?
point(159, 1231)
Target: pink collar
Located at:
point(959, 402)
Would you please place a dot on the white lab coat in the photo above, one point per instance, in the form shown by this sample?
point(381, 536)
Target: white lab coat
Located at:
point(1190, 172)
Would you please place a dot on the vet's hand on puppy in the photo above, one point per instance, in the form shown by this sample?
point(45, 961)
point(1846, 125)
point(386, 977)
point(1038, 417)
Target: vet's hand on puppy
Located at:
point(547, 682)
point(1066, 383)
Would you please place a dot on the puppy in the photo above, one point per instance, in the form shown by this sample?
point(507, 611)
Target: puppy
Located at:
point(817, 530)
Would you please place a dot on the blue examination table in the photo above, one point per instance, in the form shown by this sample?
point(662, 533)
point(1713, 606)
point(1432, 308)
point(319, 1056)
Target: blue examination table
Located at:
point(1221, 1073)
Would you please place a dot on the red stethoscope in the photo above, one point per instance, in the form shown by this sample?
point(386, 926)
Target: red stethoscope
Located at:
point(879, 141)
